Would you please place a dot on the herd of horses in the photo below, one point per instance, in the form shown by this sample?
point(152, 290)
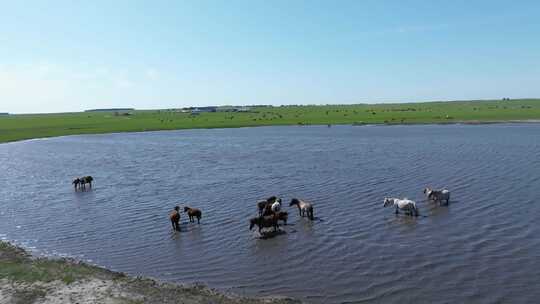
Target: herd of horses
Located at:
point(409, 207)
point(80, 182)
point(192, 213)
point(270, 212)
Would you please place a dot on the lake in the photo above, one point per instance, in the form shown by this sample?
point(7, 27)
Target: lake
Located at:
point(484, 247)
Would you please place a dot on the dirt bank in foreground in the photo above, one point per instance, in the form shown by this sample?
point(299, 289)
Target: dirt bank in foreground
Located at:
point(27, 279)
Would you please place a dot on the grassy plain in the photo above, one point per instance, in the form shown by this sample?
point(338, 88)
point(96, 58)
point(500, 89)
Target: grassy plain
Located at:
point(19, 127)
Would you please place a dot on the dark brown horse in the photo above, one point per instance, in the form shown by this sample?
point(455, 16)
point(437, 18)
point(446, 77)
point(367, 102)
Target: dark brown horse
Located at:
point(174, 216)
point(264, 222)
point(192, 213)
point(76, 183)
point(82, 181)
point(282, 216)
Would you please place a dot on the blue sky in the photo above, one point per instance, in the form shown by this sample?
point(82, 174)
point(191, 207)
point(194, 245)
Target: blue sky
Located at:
point(74, 55)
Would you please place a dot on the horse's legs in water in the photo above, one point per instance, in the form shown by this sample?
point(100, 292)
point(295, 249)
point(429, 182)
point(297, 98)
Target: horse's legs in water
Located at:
point(397, 211)
point(198, 220)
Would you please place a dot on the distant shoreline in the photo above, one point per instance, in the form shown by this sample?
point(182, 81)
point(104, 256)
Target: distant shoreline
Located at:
point(27, 278)
point(32, 126)
point(471, 123)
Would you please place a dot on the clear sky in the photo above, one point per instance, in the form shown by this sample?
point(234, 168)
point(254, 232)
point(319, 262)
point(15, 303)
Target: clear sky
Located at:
point(74, 55)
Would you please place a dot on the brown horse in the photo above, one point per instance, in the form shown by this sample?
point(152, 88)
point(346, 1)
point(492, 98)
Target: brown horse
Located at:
point(264, 222)
point(174, 216)
point(193, 212)
point(283, 216)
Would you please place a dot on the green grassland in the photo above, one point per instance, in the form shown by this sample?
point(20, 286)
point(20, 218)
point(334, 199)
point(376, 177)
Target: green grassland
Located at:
point(18, 127)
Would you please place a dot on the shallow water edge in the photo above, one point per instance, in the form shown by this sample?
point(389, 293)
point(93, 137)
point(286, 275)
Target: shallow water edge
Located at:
point(29, 278)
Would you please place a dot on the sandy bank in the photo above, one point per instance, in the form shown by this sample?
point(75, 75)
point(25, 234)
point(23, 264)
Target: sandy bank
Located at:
point(27, 279)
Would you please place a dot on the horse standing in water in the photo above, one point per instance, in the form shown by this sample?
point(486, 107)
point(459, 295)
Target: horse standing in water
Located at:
point(438, 195)
point(174, 216)
point(402, 204)
point(193, 212)
point(76, 183)
point(269, 206)
point(304, 208)
point(264, 222)
point(81, 182)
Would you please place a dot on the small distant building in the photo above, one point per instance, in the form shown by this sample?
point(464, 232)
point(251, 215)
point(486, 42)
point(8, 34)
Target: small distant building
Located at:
point(4, 114)
point(116, 110)
point(233, 109)
point(243, 109)
point(199, 109)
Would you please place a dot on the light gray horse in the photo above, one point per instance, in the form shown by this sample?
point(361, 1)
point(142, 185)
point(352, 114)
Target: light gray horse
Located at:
point(304, 208)
point(438, 195)
point(408, 206)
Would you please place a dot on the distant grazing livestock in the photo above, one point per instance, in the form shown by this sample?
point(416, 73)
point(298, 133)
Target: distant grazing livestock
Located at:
point(304, 208)
point(438, 195)
point(174, 216)
point(192, 213)
point(408, 206)
point(264, 222)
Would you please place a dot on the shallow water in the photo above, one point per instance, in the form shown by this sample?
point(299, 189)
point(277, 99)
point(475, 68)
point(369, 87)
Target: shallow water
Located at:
point(482, 248)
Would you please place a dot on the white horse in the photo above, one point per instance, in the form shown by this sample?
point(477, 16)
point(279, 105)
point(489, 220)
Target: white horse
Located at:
point(404, 204)
point(276, 207)
point(437, 195)
point(304, 208)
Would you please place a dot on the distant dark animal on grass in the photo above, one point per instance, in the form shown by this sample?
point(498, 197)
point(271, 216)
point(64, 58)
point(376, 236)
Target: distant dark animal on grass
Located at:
point(438, 195)
point(174, 216)
point(264, 222)
point(304, 208)
point(193, 213)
